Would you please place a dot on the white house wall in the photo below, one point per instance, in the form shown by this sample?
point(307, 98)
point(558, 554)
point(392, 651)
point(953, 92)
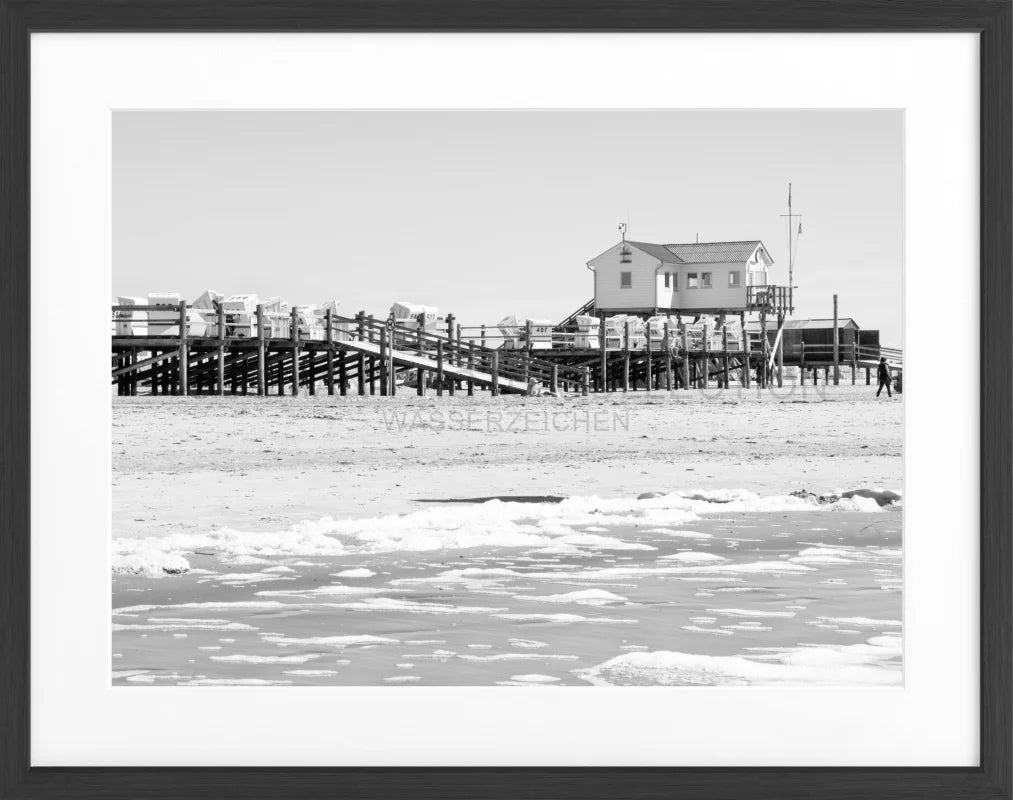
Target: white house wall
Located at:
point(607, 268)
point(668, 297)
point(720, 295)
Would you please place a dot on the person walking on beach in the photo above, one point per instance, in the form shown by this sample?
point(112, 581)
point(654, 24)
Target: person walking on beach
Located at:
point(883, 373)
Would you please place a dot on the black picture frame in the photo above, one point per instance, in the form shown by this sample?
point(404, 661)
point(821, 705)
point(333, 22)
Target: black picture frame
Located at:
point(992, 20)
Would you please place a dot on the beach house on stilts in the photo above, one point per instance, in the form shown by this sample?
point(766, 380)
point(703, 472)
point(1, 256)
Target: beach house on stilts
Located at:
point(642, 278)
point(699, 289)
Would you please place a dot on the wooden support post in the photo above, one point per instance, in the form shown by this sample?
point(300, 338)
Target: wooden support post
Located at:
point(495, 373)
point(328, 322)
point(261, 354)
point(343, 375)
point(868, 377)
point(439, 368)
point(725, 359)
point(372, 359)
point(361, 319)
point(626, 356)
point(604, 352)
point(649, 373)
point(451, 350)
point(668, 356)
point(854, 361)
point(585, 383)
point(554, 379)
point(221, 347)
point(705, 362)
point(483, 337)
point(420, 376)
point(295, 352)
point(452, 384)
point(527, 351)
point(780, 350)
point(745, 352)
point(184, 353)
point(764, 350)
point(460, 360)
point(837, 353)
point(384, 376)
point(801, 364)
point(685, 358)
point(471, 366)
point(311, 378)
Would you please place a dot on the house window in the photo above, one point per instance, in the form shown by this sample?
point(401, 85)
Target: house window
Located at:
point(675, 281)
point(692, 280)
point(668, 280)
point(625, 280)
point(733, 278)
point(705, 280)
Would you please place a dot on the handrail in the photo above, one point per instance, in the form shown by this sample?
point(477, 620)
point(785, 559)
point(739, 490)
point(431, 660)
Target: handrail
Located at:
point(461, 350)
point(522, 363)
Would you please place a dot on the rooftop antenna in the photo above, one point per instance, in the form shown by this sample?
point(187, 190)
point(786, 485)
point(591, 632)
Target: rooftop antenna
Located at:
point(791, 255)
point(624, 252)
point(698, 237)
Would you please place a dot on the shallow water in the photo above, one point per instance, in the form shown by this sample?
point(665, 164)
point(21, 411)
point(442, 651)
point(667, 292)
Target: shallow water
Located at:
point(804, 596)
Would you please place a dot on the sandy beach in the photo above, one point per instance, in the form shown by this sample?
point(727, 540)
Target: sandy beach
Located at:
point(684, 538)
point(189, 464)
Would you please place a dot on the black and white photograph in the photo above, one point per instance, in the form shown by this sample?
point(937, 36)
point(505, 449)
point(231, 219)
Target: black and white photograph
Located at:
point(507, 398)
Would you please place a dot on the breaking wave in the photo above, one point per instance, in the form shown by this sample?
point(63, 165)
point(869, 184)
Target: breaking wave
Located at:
point(564, 526)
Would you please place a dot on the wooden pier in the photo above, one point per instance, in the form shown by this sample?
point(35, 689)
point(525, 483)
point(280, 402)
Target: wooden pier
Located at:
point(252, 354)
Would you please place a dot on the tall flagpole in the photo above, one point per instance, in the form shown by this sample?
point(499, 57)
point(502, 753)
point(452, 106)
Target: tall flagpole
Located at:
point(791, 282)
point(791, 256)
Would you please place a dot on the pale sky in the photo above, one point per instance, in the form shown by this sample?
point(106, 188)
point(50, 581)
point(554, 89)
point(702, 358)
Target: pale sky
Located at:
point(486, 213)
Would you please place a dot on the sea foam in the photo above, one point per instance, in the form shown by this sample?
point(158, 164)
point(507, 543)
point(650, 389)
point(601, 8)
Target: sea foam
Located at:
point(565, 526)
point(873, 663)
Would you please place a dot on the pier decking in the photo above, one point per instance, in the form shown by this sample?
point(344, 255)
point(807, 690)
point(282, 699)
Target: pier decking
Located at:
point(363, 355)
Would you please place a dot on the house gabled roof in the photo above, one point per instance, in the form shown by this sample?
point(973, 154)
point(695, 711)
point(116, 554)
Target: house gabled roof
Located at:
point(806, 324)
point(715, 252)
point(698, 252)
point(659, 251)
point(816, 324)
